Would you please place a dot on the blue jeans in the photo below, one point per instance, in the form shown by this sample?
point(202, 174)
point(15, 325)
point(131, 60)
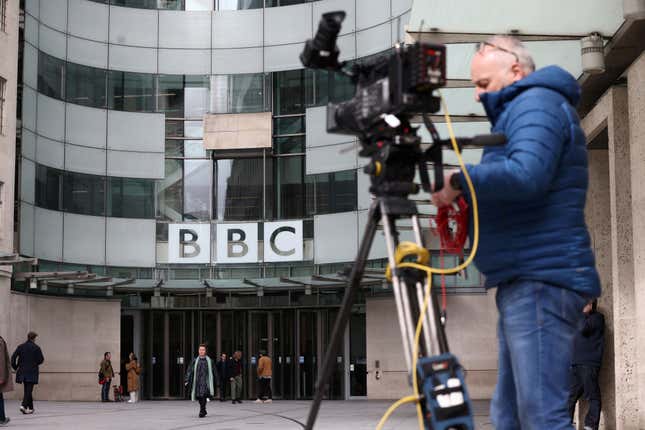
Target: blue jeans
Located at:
point(105, 391)
point(537, 323)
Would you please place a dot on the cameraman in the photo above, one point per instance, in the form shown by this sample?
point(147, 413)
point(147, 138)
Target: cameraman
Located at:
point(534, 244)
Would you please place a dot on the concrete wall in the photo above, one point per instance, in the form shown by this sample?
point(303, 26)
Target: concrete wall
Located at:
point(472, 338)
point(73, 334)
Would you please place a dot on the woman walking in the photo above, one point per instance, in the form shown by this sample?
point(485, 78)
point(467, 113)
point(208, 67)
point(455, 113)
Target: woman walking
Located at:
point(134, 370)
point(200, 378)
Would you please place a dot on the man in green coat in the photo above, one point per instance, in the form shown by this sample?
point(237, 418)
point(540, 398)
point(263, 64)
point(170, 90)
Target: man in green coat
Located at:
point(200, 378)
point(6, 383)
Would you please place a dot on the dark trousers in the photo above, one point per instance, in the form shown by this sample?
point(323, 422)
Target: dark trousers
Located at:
point(202, 405)
point(222, 388)
point(264, 389)
point(27, 399)
point(584, 382)
point(105, 391)
point(2, 415)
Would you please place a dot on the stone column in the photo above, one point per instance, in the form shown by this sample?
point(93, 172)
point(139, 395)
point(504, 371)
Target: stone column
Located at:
point(636, 102)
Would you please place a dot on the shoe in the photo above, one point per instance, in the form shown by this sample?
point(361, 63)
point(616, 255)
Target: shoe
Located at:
point(22, 409)
point(202, 414)
point(239, 401)
point(268, 401)
point(29, 411)
point(5, 422)
point(258, 401)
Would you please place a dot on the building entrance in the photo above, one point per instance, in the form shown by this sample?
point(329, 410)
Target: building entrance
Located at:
point(295, 339)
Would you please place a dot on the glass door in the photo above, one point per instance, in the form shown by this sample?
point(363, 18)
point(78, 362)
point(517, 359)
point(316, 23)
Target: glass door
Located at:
point(357, 356)
point(258, 341)
point(307, 353)
point(177, 357)
point(168, 355)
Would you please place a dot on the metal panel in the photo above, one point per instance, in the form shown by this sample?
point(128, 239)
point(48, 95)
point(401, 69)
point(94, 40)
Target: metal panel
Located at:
point(26, 229)
point(183, 61)
point(48, 233)
point(285, 57)
point(130, 242)
point(132, 131)
point(88, 19)
point(133, 27)
point(574, 17)
point(88, 53)
point(401, 6)
point(238, 28)
point(28, 144)
point(135, 164)
point(28, 181)
point(31, 30)
point(335, 237)
point(241, 60)
point(371, 13)
point(30, 66)
point(54, 14)
point(52, 42)
point(363, 190)
point(85, 126)
point(129, 59)
point(51, 117)
point(287, 24)
point(85, 160)
point(374, 40)
point(29, 108)
point(399, 25)
point(83, 239)
point(184, 29)
point(347, 46)
point(327, 152)
point(461, 101)
point(32, 7)
point(349, 7)
point(50, 152)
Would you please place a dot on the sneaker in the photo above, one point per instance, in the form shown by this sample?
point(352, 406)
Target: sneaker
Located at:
point(22, 409)
point(202, 414)
point(29, 411)
point(258, 401)
point(5, 422)
point(268, 401)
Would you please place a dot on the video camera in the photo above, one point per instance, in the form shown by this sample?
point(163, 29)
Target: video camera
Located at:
point(388, 88)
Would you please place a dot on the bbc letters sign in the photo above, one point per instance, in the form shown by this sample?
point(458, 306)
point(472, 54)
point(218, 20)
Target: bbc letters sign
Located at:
point(235, 243)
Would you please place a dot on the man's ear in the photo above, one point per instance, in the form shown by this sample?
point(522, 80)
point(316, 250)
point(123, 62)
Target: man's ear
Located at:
point(518, 72)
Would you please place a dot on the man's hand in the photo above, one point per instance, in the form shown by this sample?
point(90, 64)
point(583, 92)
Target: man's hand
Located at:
point(447, 194)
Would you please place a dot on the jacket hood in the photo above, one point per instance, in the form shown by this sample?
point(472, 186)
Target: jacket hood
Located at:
point(552, 77)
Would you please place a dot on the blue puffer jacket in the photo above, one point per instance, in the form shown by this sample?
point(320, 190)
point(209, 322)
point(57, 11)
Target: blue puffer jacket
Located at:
point(532, 191)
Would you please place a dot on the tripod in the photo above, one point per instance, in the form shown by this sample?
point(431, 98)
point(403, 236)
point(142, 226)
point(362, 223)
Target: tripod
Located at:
point(392, 169)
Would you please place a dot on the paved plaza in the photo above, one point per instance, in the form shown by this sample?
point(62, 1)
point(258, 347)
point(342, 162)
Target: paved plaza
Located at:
point(180, 415)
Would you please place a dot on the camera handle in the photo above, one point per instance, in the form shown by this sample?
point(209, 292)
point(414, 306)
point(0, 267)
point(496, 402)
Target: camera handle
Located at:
point(407, 289)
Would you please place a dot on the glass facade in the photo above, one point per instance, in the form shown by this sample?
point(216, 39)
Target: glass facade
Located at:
point(201, 4)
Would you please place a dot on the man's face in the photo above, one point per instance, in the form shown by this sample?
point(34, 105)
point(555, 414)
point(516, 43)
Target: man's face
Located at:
point(202, 351)
point(109, 356)
point(223, 356)
point(492, 69)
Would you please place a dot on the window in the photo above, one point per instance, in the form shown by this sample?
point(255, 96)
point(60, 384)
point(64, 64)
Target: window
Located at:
point(131, 92)
point(289, 187)
point(84, 194)
point(239, 4)
point(240, 93)
point(170, 192)
point(331, 192)
point(289, 92)
point(3, 86)
point(85, 85)
point(3, 15)
point(130, 198)
point(197, 189)
point(239, 190)
point(50, 76)
point(48, 187)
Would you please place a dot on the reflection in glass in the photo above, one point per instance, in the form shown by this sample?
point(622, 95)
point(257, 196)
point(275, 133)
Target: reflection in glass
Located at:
point(289, 92)
point(50, 75)
point(239, 191)
point(131, 198)
point(84, 194)
point(48, 187)
point(239, 93)
point(132, 92)
point(170, 95)
point(197, 189)
point(289, 125)
point(239, 4)
point(194, 149)
point(174, 148)
point(170, 192)
point(85, 85)
point(289, 144)
point(196, 96)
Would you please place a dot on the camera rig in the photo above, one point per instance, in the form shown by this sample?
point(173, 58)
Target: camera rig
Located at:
point(390, 91)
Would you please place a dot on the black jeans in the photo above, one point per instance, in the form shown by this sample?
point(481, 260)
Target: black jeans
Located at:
point(584, 381)
point(2, 415)
point(264, 389)
point(105, 391)
point(202, 405)
point(28, 399)
point(222, 388)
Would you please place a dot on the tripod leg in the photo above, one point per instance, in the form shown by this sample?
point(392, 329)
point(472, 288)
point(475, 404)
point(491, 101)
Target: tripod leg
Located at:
point(345, 311)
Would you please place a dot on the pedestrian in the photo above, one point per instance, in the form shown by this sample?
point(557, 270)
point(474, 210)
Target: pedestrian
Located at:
point(6, 383)
point(534, 245)
point(264, 378)
point(588, 348)
point(200, 378)
point(222, 375)
point(25, 361)
point(235, 377)
point(107, 373)
point(133, 370)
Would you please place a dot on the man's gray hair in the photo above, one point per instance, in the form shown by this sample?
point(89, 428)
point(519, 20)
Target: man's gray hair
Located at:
point(516, 46)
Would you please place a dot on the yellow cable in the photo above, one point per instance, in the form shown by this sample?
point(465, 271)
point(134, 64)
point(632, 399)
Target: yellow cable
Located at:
point(391, 409)
point(406, 249)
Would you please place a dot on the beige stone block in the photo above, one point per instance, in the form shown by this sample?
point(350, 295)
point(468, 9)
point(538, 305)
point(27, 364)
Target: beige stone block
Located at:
point(237, 131)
